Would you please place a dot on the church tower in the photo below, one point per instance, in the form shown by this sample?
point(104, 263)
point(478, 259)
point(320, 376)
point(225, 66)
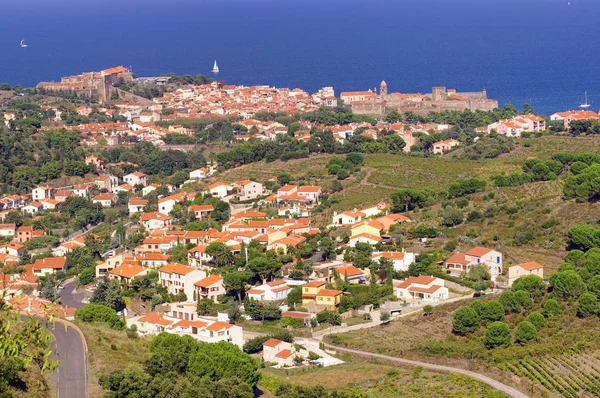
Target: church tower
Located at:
point(383, 90)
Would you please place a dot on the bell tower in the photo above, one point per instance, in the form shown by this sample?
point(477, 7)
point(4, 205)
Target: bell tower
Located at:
point(383, 89)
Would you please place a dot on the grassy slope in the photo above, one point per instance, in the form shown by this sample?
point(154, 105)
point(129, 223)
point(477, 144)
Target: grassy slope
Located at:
point(398, 380)
point(109, 350)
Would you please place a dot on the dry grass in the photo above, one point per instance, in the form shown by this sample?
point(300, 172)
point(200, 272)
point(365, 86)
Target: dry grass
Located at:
point(110, 350)
point(398, 380)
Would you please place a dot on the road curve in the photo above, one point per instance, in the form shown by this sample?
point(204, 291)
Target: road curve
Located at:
point(487, 380)
point(71, 373)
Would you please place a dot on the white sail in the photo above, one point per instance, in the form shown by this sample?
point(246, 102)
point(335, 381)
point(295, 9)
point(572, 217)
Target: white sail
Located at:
point(585, 104)
point(23, 43)
point(215, 68)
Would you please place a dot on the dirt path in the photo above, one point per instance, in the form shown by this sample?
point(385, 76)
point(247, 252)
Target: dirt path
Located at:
point(487, 380)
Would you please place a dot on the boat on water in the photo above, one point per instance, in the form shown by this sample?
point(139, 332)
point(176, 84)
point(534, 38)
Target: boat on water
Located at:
point(585, 104)
point(215, 68)
point(23, 45)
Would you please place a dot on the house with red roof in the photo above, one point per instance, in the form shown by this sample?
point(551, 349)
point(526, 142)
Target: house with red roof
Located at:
point(128, 271)
point(248, 189)
point(279, 352)
point(522, 270)
point(210, 288)
point(422, 289)
point(444, 146)
point(178, 278)
point(136, 178)
point(461, 263)
point(155, 220)
point(202, 211)
point(49, 265)
point(350, 273)
point(401, 260)
point(220, 189)
point(136, 205)
point(271, 291)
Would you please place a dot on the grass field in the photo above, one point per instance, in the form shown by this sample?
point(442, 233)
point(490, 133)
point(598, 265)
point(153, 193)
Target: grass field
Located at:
point(397, 380)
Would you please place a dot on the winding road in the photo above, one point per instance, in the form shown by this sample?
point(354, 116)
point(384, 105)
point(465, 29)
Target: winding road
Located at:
point(487, 380)
point(71, 373)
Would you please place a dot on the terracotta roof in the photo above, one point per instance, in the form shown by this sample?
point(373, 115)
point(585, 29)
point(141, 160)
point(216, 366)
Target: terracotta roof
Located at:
point(329, 292)
point(209, 281)
point(349, 271)
point(272, 342)
point(50, 262)
point(457, 258)
point(478, 251)
point(127, 270)
point(176, 268)
point(314, 284)
point(531, 265)
point(284, 354)
point(155, 318)
point(296, 314)
point(217, 326)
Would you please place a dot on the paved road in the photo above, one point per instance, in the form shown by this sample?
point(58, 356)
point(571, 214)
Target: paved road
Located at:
point(487, 380)
point(71, 373)
point(68, 297)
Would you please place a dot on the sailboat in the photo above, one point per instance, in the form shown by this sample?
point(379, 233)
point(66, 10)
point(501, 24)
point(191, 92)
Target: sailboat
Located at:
point(23, 45)
point(215, 68)
point(585, 104)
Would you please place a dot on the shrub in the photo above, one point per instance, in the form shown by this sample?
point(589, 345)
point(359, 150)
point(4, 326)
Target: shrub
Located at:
point(530, 283)
point(100, 313)
point(255, 345)
point(594, 285)
point(494, 311)
point(465, 321)
point(451, 216)
point(465, 186)
point(428, 310)
point(526, 333)
point(587, 305)
point(537, 319)
point(384, 317)
point(132, 332)
point(551, 308)
point(497, 334)
point(296, 323)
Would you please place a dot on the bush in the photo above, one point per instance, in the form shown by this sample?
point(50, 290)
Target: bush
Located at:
point(451, 216)
point(428, 309)
point(509, 301)
point(551, 308)
point(497, 334)
point(132, 332)
point(526, 333)
point(465, 186)
point(100, 313)
point(465, 321)
point(296, 323)
point(537, 319)
point(587, 305)
point(255, 345)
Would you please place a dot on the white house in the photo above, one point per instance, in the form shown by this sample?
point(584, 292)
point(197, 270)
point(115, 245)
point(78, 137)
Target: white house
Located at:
point(248, 189)
point(33, 207)
point(220, 189)
point(210, 288)
point(462, 262)
point(197, 257)
point(401, 260)
point(178, 278)
point(44, 192)
point(8, 229)
point(136, 178)
point(202, 211)
point(200, 173)
point(364, 238)
point(136, 205)
point(155, 220)
point(270, 291)
point(104, 199)
point(423, 289)
point(280, 352)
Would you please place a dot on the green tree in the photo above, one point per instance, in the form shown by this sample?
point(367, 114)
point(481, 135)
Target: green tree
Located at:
point(567, 285)
point(594, 285)
point(86, 277)
point(407, 199)
point(465, 321)
point(479, 307)
point(509, 301)
point(531, 284)
point(236, 281)
point(264, 267)
point(497, 334)
point(220, 253)
point(584, 237)
point(108, 293)
point(525, 333)
point(587, 305)
point(537, 319)
point(294, 296)
point(493, 311)
point(551, 308)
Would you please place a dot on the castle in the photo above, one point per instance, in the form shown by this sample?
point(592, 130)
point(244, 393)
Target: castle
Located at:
point(91, 84)
point(440, 99)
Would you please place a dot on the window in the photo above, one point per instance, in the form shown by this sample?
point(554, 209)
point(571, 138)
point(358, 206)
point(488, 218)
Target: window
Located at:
point(328, 298)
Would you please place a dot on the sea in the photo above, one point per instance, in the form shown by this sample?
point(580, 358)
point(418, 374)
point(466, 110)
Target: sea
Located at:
point(541, 52)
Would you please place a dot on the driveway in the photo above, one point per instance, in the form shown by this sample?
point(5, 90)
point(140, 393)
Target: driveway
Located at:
point(68, 296)
point(487, 380)
point(71, 372)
